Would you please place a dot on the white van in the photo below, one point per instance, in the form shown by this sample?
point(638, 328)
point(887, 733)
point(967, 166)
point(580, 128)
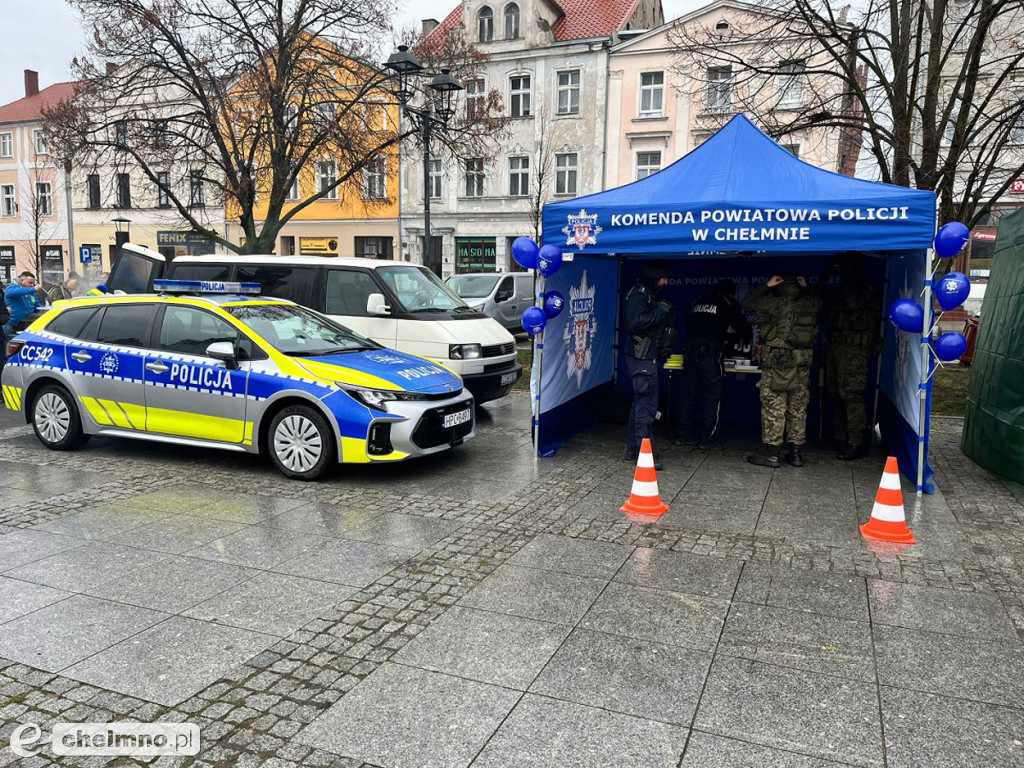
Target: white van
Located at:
point(397, 304)
point(501, 295)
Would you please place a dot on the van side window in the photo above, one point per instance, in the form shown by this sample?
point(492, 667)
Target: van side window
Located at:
point(281, 282)
point(178, 271)
point(505, 290)
point(524, 286)
point(347, 292)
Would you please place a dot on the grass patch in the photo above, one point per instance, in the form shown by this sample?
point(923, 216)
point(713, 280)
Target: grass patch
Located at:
point(525, 357)
point(949, 391)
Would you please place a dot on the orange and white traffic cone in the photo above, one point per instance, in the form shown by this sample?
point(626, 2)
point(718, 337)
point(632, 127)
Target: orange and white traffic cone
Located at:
point(644, 499)
point(888, 521)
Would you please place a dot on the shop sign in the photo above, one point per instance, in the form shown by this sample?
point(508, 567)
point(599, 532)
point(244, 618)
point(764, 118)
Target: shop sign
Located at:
point(1017, 187)
point(167, 238)
point(53, 257)
point(475, 254)
point(986, 237)
point(318, 245)
point(7, 267)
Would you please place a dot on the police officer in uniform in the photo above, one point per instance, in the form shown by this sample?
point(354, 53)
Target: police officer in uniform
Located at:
point(852, 317)
point(789, 313)
point(707, 325)
point(648, 324)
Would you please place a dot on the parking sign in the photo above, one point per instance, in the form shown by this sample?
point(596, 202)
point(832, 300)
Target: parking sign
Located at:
point(85, 254)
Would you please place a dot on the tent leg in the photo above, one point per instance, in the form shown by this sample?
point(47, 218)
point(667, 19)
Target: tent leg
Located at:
point(922, 392)
point(538, 360)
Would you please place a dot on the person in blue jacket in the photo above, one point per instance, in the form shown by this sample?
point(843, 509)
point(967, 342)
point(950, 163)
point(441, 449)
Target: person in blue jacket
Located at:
point(21, 300)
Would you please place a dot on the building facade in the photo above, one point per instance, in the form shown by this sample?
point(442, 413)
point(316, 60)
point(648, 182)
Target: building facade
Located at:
point(549, 62)
point(33, 209)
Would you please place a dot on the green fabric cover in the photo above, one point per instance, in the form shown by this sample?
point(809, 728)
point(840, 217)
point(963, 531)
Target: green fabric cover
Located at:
point(994, 428)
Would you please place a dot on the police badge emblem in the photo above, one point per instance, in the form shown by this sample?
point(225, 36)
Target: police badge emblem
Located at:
point(580, 331)
point(582, 229)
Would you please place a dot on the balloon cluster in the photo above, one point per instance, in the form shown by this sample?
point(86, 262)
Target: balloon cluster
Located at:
point(547, 261)
point(951, 292)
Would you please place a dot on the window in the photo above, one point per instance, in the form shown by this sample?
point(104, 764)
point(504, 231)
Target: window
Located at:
point(566, 167)
point(1017, 129)
point(295, 190)
point(519, 176)
point(474, 177)
point(163, 185)
point(652, 94)
point(327, 176)
point(92, 182)
point(375, 180)
point(789, 84)
point(700, 138)
point(719, 92)
point(374, 248)
point(511, 21)
point(189, 331)
point(292, 283)
point(196, 195)
point(181, 271)
point(6, 145)
point(121, 134)
point(434, 181)
point(70, 322)
point(160, 132)
point(348, 291)
point(485, 25)
point(126, 325)
point(569, 92)
point(42, 146)
point(793, 149)
point(44, 198)
point(124, 190)
point(8, 207)
point(519, 96)
point(476, 99)
point(647, 163)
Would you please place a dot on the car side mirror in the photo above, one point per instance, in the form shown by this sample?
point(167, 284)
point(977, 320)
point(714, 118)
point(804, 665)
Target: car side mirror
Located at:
point(376, 305)
point(225, 352)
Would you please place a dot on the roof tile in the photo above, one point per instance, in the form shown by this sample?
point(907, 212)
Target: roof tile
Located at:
point(31, 107)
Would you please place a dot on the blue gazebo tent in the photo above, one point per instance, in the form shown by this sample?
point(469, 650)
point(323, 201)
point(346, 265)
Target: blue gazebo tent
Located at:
point(741, 206)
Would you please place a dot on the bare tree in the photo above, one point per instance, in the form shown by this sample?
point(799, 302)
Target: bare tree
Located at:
point(38, 211)
point(931, 90)
point(541, 173)
point(230, 102)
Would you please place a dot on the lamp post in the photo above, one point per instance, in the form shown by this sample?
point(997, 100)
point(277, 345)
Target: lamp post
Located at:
point(121, 233)
point(437, 112)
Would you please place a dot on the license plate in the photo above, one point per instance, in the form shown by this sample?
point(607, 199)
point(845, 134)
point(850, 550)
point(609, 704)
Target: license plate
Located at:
point(459, 417)
point(508, 378)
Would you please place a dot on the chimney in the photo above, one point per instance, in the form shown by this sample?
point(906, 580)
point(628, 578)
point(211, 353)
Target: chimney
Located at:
point(31, 82)
point(429, 25)
point(111, 67)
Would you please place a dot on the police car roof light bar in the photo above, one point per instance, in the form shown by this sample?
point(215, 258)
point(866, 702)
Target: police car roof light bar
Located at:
point(204, 286)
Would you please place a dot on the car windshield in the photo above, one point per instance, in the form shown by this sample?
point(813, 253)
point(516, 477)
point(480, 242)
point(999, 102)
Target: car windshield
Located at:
point(298, 331)
point(420, 290)
point(473, 286)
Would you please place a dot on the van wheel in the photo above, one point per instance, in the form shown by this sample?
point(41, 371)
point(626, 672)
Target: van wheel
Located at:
point(56, 421)
point(300, 443)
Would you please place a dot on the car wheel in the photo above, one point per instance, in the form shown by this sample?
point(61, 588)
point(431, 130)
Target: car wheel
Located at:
point(56, 421)
point(301, 443)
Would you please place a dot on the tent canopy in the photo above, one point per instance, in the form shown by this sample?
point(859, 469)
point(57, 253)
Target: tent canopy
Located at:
point(741, 191)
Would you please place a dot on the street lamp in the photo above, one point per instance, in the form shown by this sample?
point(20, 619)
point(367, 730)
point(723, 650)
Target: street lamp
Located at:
point(437, 112)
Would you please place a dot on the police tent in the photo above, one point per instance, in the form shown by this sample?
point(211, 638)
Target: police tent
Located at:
point(738, 206)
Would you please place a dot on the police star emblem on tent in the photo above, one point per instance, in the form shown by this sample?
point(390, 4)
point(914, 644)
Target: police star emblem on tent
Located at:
point(582, 229)
point(580, 331)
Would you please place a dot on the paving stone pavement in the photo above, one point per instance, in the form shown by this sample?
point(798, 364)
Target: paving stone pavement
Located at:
point(484, 608)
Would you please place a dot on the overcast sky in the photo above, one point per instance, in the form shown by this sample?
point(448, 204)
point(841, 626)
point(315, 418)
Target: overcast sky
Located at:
point(45, 35)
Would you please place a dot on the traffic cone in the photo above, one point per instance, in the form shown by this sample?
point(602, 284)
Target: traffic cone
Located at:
point(644, 499)
point(888, 521)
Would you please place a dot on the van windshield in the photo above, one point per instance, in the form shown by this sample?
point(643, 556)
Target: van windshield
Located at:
point(473, 286)
point(420, 290)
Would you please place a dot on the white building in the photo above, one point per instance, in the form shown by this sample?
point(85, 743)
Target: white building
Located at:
point(550, 63)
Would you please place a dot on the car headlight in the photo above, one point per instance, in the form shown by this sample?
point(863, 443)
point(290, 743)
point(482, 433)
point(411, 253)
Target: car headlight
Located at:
point(464, 351)
point(374, 398)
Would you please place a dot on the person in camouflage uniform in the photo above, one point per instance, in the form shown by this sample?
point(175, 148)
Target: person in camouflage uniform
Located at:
point(852, 316)
point(788, 309)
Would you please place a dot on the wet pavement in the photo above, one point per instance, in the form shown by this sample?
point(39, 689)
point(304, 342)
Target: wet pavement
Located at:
point(483, 608)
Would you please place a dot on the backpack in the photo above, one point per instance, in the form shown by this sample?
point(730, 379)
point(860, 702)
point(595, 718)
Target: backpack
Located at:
point(799, 327)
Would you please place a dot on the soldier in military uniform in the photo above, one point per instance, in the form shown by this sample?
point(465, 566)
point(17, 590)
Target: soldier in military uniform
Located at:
point(852, 317)
point(647, 323)
point(788, 309)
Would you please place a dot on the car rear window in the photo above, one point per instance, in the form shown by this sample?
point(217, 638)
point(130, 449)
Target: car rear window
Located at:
point(70, 322)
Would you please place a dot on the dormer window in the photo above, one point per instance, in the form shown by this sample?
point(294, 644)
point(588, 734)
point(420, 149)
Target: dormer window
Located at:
point(511, 21)
point(485, 24)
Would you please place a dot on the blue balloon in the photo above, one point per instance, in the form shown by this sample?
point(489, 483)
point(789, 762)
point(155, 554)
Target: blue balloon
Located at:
point(524, 251)
point(907, 315)
point(549, 260)
point(554, 303)
point(951, 239)
point(953, 290)
point(950, 346)
point(534, 320)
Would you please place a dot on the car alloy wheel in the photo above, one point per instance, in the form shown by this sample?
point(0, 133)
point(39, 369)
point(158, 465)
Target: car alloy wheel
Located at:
point(52, 417)
point(298, 443)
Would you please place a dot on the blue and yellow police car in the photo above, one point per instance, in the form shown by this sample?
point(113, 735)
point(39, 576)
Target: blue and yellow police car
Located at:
point(215, 364)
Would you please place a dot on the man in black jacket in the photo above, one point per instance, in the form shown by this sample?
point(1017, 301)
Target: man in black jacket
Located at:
point(707, 325)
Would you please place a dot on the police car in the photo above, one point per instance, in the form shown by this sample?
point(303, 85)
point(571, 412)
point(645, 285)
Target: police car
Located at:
point(203, 364)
